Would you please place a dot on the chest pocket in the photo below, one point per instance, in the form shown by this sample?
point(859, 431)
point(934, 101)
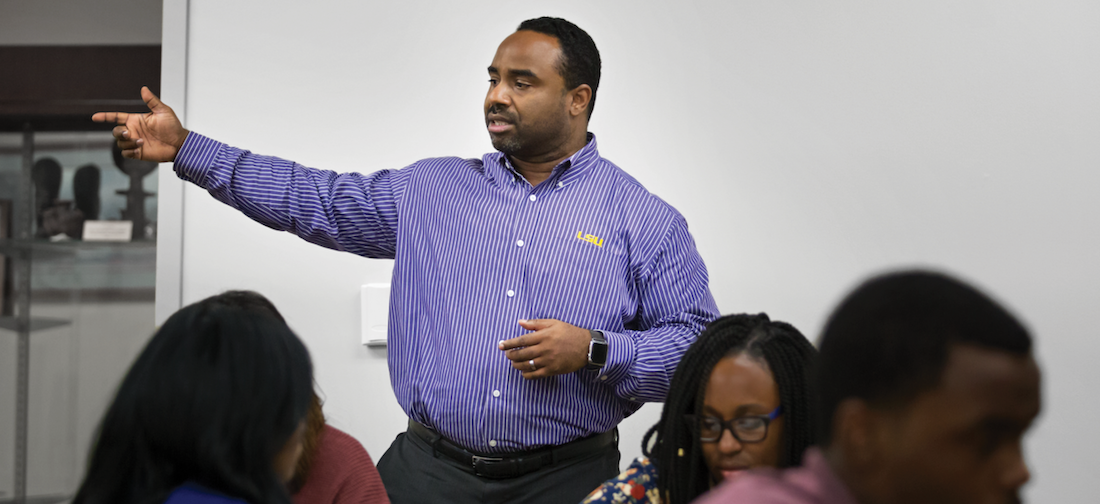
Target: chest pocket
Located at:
point(589, 273)
point(592, 259)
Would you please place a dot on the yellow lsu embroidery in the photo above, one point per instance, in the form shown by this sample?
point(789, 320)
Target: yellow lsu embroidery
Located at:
point(590, 239)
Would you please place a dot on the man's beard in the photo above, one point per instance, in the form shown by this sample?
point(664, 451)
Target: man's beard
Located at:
point(512, 143)
point(521, 141)
point(509, 145)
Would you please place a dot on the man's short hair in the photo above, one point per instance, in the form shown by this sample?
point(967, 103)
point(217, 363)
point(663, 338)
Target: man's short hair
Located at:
point(889, 340)
point(580, 60)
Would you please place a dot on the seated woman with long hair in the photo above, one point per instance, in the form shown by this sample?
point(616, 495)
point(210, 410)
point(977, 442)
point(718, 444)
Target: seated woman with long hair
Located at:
point(334, 468)
point(211, 411)
point(739, 399)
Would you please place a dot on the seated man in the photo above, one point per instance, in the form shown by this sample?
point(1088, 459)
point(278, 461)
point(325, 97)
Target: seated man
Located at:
point(927, 387)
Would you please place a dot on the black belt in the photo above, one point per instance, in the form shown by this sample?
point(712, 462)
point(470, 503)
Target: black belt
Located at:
point(513, 464)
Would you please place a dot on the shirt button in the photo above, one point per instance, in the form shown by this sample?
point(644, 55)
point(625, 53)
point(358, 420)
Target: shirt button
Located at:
point(492, 442)
point(532, 197)
point(496, 393)
point(561, 184)
point(519, 243)
point(604, 377)
point(511, 293)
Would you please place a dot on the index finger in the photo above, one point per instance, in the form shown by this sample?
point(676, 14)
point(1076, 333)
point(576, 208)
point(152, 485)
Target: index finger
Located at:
point(115, 117)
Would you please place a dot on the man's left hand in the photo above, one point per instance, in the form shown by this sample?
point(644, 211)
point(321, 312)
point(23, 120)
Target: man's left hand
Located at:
point(554, 347)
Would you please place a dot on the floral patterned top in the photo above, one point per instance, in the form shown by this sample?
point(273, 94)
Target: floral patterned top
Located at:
point(637, 484)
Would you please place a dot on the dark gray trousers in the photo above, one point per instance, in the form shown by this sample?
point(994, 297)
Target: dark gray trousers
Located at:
point(413, 475)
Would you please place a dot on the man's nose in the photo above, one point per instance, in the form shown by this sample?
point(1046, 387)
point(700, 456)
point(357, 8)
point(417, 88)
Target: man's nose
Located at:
point(498, 95)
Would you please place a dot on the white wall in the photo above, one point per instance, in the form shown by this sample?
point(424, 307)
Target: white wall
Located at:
point(809, 144)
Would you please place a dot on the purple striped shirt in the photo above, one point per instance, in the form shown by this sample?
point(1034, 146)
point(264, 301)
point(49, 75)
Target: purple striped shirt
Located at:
point(475, 249)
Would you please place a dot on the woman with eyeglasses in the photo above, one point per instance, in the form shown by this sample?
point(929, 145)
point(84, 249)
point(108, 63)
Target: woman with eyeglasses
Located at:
point(740, 399)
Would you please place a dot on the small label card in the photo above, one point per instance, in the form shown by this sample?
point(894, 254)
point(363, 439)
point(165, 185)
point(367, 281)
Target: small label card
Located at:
point(109, 231)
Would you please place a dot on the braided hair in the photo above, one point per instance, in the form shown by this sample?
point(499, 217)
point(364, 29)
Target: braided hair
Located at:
point(676, 450)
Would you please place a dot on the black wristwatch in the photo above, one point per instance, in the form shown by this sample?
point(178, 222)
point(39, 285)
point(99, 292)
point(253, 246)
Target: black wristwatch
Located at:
point(597, 350)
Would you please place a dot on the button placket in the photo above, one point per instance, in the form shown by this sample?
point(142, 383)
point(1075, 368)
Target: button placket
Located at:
point(515, 262)
point(516, 250)
point(520, 230)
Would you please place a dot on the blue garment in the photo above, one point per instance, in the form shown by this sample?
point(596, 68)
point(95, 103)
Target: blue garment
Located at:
point(477, 248)
point(193, 493)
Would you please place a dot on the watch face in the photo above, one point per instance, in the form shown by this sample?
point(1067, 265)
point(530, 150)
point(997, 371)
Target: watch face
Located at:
point(599, 354)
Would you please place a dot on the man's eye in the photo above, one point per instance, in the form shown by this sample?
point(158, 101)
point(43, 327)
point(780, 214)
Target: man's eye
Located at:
point(492, 82)
point(521, 85)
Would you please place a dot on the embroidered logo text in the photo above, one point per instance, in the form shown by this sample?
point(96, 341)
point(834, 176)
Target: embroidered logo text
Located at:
point(590, 239)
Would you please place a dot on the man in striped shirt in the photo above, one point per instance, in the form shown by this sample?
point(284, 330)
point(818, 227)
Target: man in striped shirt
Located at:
point(539, 295)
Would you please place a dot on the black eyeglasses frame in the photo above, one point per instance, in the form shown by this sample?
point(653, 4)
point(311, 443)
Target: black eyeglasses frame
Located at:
point(727, 425)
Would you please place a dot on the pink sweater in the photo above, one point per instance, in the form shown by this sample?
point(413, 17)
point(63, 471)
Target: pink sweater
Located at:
point(342, 473)
point(813, 483)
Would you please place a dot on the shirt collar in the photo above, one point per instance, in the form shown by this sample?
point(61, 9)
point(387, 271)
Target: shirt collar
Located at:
point(499, 168)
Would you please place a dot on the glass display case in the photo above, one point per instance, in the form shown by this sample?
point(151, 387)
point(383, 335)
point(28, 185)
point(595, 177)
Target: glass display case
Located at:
point(73, 312)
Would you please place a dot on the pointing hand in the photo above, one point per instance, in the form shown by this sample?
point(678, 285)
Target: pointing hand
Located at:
point(155, 136)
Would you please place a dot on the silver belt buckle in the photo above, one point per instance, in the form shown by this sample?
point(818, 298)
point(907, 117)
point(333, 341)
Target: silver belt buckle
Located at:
point(475, 459)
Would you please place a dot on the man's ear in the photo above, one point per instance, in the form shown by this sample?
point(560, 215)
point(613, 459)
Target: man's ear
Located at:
point(581, 98)
point(857, 431)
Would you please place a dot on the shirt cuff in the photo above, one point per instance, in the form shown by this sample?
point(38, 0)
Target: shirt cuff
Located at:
point(196, 158)
point(620, 358)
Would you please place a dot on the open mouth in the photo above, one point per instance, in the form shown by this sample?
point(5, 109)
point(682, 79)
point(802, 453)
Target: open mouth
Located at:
point(498, 126)
point(497, 122)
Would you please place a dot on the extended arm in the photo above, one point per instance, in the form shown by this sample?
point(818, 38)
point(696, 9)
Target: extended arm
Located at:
point(351, 212)
point(347, 211)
